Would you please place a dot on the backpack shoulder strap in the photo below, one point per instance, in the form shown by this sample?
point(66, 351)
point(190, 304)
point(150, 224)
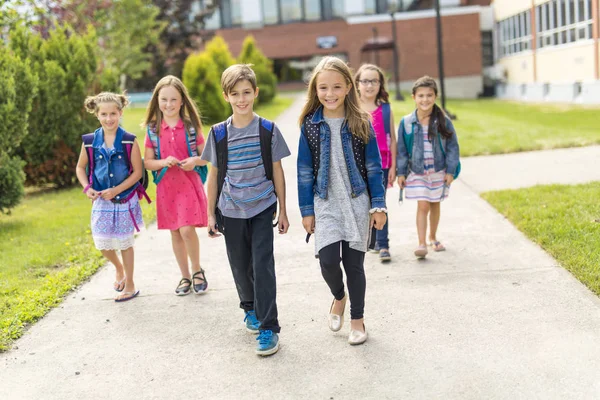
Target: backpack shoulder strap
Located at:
point(265, 129)
point(219, 133)
point(88, 144)
point(127, 141)
point(155, 140)
point(386, 111)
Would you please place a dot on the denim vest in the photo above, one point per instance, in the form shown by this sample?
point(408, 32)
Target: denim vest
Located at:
point(442, 160)
point(110, 167)
point(308, 186)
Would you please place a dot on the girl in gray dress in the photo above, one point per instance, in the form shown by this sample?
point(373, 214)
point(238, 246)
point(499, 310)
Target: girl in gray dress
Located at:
point(340, 186)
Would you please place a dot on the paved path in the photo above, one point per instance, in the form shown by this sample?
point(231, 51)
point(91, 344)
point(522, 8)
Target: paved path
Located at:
point(494, 317)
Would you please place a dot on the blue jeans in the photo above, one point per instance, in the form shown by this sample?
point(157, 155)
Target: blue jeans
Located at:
point(379, 239)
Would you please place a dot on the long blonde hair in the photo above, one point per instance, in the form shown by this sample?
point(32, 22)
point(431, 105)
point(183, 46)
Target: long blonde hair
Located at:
point(188, 112)
point(358, 120)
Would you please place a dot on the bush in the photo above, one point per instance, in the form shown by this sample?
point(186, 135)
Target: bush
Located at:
point(263, 68)
point(65, 64)
point(219, 53)
point(11, 181)
point(18, 87)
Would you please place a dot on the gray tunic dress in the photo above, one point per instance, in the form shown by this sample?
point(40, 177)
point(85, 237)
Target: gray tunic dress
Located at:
point(341, 217)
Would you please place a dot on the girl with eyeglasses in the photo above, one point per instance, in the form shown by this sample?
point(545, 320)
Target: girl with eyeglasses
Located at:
point(374, 99)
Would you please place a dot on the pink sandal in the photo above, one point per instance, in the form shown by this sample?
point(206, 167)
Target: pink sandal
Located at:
point(437, 246)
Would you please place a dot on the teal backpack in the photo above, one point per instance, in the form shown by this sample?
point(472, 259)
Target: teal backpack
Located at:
point(409, 139)
point(190, 139)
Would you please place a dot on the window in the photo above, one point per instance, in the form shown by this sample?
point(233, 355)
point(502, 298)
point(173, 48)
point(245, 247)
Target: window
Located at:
point(312, 10)
point(337, 8)
point(270, 12)
point(214, 22)
point(514, 34)
point(563, 21)
point(370, 6)
point(291, 10)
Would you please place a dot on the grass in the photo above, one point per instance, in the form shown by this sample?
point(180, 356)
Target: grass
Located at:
point(489, 126)
point(563, 220)
point(46, 248)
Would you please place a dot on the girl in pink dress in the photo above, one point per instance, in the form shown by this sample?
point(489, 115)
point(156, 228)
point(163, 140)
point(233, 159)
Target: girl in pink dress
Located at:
point(172, 122)
point(374, 99)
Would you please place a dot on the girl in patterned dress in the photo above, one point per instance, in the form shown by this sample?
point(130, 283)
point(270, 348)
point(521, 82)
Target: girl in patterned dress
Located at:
point(180, 197)
point(374, 99)
point(427, 169)
point(116, 212)
point(340, 187)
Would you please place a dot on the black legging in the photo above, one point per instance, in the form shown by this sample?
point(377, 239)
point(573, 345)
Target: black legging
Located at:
point(353, 261)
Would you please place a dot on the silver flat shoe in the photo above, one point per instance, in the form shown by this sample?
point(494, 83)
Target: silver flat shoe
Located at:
point(336, 321)
point(357, 337)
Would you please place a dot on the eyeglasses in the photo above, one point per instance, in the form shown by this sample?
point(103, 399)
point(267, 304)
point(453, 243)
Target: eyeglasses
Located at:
point(367, 82)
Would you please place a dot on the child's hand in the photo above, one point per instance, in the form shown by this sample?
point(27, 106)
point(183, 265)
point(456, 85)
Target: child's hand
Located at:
point(188, 164)
point(309, 224)
point(92, 194)
point(449, 179)
point(378, 220)
point(283, 224)
point(108, 194)
point(402, 181)
point(392, 176)
point(170, 161)
point(213, 232)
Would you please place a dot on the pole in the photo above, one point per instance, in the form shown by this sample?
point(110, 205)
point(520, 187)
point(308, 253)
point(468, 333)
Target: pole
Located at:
point(375, 44)
point(438, 22)
point(396, 61)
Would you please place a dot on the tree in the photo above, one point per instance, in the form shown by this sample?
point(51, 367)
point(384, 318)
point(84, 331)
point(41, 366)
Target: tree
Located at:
point(263, 68)
point(18, 88)
point(181, 37)
point(126, 29)
point(65, 64)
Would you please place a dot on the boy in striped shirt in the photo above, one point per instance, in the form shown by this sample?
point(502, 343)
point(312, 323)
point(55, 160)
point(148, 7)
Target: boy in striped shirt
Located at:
point(245, 182)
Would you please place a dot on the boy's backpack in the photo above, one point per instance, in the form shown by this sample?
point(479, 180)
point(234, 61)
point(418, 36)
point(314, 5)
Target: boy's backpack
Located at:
point(192, 152)
point(265, 131)
point(409, 140)
point(127, 141)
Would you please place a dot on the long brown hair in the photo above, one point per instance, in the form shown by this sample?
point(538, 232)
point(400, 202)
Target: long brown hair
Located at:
point(188, 112)
point(382, 96)
point(358, 120)
point(437, 114)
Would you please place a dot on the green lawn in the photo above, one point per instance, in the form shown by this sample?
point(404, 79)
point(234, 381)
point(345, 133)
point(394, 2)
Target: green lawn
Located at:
point(46, 248)
point(564, 220)
point(490, 126)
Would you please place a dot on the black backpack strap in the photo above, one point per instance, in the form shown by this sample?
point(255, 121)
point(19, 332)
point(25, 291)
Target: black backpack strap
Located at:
point(219, 134)
point(265, 129)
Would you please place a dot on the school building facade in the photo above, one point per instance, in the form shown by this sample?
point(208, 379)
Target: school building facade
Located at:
point(547, 50)
point(296, 33)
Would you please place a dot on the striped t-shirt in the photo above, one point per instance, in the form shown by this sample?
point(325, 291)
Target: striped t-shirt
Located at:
point(246, 191)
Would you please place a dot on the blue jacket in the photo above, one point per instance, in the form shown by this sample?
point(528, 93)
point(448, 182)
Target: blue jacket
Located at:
point(311, 182)
point(110, 168)
point(409, 131)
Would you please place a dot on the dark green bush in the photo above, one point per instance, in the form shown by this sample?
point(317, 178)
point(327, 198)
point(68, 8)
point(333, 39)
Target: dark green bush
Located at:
point(11, 181)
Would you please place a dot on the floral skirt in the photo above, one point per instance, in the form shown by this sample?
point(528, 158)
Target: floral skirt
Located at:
point(114, 224)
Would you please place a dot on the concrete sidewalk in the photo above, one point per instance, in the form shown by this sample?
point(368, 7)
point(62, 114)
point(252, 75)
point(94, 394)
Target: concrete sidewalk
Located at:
point(493, 317)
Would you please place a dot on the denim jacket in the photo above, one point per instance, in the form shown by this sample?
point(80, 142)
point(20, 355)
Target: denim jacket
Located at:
point(308, 186)
point(411, 126)
point(110, 167)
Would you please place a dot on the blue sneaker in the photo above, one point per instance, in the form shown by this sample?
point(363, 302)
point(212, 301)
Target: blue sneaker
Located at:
point(252, 324)
point(268, 343)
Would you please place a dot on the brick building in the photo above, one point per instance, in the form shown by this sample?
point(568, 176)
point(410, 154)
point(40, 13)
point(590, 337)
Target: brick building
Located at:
point(294, 33)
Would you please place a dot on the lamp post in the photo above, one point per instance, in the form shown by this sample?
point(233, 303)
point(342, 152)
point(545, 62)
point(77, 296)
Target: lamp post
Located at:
point(375, 35)
point(396, 58)
point(438, 23)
